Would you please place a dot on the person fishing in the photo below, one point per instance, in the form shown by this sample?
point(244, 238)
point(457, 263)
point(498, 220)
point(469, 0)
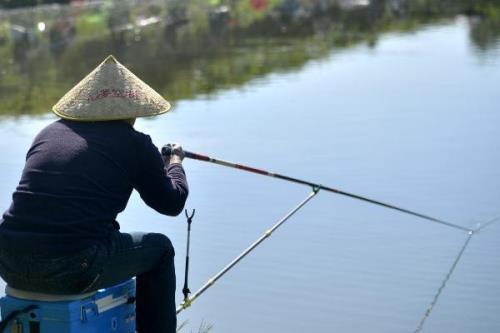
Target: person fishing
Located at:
point(60, 234)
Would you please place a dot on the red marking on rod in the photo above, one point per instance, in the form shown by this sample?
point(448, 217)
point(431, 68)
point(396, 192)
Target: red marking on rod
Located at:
point(197, 156)
point(262, 172)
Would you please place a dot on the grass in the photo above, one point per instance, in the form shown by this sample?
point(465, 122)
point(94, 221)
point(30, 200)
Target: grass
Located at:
point(204, 327)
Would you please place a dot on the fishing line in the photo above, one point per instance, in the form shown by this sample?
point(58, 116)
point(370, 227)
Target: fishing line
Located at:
point(167, 151)
point(443, 284)
point(490, 222)
point(450, 272)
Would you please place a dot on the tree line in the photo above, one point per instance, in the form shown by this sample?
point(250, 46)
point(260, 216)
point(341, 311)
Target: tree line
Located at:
point(28, 3)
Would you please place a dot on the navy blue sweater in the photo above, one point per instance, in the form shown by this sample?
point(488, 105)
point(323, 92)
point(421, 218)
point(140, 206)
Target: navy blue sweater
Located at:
point(77, 178)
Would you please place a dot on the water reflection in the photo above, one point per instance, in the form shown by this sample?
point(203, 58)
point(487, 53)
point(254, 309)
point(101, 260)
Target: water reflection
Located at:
point(185, 48)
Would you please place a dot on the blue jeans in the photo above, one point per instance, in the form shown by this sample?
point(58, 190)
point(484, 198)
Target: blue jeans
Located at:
point(148, 256)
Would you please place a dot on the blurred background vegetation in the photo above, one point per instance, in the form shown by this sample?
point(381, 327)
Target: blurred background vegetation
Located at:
point(184, 48)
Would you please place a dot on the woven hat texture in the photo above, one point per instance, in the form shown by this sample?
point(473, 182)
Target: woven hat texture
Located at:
point(110, 92)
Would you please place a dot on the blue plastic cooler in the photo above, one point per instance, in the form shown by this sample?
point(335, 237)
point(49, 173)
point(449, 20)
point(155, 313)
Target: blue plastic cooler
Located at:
point(107, 310)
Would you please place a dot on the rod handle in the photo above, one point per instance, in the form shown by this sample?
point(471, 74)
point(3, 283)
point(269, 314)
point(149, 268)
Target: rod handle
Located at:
point(166, 151)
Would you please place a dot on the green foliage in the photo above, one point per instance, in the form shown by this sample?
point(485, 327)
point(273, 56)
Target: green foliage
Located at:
point(92, 23)
point(203, 328)
point(190, 54)
point(489, 10)
point(248, 15)
point(28, 3)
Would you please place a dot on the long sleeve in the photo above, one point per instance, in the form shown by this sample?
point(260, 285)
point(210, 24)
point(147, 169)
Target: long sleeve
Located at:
point(163, 188)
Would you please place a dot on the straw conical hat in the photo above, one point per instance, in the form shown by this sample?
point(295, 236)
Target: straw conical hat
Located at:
point(110, 92)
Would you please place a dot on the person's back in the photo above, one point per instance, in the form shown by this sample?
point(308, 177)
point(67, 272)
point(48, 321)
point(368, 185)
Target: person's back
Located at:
point(82, 177)
point(60, 233)
point(82, 174)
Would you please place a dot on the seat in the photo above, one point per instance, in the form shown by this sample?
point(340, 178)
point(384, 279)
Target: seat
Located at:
point(106, 310)
point(43, 297)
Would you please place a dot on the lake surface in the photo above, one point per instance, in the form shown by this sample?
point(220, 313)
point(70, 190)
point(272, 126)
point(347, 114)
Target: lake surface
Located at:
point(410, 120)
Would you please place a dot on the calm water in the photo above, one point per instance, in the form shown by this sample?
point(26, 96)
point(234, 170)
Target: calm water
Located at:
point(412, 120)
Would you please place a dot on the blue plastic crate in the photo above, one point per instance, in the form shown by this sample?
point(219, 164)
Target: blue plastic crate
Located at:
point(108, 310)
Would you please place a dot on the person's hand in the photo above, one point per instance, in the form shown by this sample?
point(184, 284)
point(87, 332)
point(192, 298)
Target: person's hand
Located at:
point(177, 154)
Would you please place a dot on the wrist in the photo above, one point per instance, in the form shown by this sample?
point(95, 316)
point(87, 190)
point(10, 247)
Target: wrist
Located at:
point(175, 159)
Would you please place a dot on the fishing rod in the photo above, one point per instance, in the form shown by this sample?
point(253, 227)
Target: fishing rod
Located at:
point(167, 151)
